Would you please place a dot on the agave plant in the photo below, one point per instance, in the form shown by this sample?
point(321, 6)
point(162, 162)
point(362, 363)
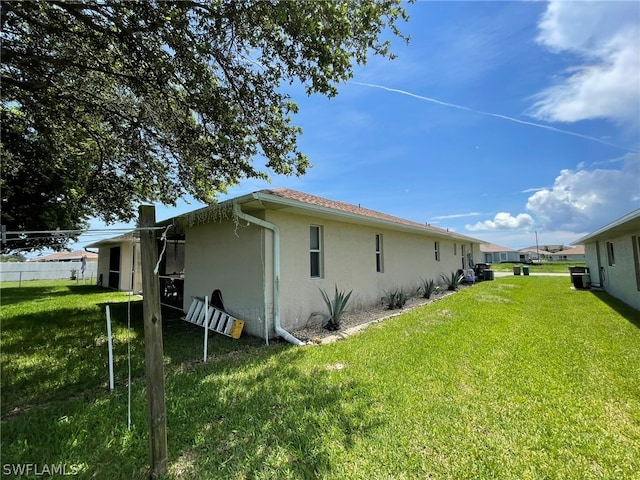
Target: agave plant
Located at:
point(401, 298)
point(428, 287)
point(395, 299)
point(336, 307)
point(452, 280)
point(390, 299)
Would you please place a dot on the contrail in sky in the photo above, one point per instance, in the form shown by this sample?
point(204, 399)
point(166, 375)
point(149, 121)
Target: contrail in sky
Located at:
point(489, 114)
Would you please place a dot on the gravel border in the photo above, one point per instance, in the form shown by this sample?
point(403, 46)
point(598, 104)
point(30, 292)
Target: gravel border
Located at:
point(357, 321)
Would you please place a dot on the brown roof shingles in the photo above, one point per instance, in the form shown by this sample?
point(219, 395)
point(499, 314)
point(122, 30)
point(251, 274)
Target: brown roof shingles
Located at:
point(354, 210)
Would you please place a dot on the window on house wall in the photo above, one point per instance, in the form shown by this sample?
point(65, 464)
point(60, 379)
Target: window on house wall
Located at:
point(503, 257)
point(436, 250)
point(315, 251)
point(379, 264)
point(455, 249)
point(636, 258)
point(611, 254)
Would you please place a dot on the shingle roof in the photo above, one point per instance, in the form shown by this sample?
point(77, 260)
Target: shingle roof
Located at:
point(579, 250)
point(348, 208)
point(493, 248)
point(66, 256)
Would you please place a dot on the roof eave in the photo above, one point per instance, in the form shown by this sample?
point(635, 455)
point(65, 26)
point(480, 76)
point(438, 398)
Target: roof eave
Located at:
point(287, 202)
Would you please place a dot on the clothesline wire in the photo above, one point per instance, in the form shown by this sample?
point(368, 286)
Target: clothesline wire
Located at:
point(82, 231)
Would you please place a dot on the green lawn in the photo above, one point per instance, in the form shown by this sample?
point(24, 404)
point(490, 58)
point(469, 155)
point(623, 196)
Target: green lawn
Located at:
point(519, 378)
point(542, 267)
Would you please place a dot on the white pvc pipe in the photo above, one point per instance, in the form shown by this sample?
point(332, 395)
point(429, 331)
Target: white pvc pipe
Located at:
point(206, 326)
point(110, 347)
point(276, 272)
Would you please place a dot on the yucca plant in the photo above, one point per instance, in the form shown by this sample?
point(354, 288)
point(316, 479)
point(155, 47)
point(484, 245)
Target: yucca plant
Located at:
point(336, 307)
point(428, 288)
point(452, 280)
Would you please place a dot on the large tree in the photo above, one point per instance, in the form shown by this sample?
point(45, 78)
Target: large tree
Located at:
point(154, 100)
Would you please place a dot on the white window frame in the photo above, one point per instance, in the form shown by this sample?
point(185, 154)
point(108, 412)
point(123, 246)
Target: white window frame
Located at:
point(611, 255)
point(436, 250)
point(379, 254)
point(315, 252)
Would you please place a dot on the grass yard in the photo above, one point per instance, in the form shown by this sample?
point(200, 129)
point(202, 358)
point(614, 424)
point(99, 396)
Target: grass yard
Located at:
point(519, 378)
point(542, 267)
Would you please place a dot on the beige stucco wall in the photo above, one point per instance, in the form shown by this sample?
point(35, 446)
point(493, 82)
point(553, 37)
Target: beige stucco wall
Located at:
point(129, 252)
point(221, 256)
point(349, 261)
point(620, 279)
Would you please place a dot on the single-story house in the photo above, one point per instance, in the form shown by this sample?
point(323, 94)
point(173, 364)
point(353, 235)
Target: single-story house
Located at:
point(574, 254)
point(533, 254)
point(269, 253)
point(492, 253)
point(119, 262)
point(75, 256)
point(613, 257)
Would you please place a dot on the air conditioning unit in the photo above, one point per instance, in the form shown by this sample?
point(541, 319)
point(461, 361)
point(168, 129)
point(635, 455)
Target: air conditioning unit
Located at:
point(581, 280)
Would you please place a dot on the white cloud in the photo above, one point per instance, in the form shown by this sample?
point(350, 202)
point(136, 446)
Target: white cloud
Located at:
point(606, 36)
point(582, 200)
point(503, 221)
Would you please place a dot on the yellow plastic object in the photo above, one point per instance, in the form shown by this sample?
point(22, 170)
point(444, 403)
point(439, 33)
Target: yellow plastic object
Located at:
point(236, 330)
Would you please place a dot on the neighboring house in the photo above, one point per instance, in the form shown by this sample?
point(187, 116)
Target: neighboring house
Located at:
point(541, 252)
point(533, 254)
point(613, 258)
point(575, 254)
point(75, 256)
point(119, 263)
point(270, 252)
point(492, 253)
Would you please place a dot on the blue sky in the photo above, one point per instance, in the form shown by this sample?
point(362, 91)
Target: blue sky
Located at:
point(498, 120)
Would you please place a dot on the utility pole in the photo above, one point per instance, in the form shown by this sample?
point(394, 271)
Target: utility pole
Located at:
point(153, 349)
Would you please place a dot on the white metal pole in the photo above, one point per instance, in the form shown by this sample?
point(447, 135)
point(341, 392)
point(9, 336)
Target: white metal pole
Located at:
point(110, 346)
point(206, 326)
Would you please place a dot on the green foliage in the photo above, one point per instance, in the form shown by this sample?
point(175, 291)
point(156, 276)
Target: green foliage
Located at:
point(42, 187)
point(149, 101)
point(12, 258)
point(452, 281)
point(395, 299)
point(336, 307)
point(428, 287)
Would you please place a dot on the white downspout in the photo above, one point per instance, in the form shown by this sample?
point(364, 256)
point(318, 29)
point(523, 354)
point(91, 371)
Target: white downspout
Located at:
point(276, 271)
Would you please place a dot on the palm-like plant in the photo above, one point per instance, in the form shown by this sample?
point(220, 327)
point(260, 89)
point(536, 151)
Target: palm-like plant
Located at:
point(336, 307)
point(452, 280)
point(395, 299)
point(428, 287)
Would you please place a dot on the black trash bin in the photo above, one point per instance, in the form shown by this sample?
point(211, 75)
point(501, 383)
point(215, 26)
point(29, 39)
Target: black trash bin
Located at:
point(479, 270)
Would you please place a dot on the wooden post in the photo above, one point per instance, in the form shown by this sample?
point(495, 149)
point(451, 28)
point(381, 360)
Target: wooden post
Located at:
point(153, 349)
